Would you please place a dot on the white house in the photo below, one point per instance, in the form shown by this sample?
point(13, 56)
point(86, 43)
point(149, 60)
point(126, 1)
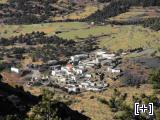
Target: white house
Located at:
point(93, 89)
point(96, 61)
point(88, 75)
point(113, 70)
point(92, 63)
point(66, 71)
point(73, 78)
point(55, 67)
point(78, 71)
point(74, 58)
point(100, 52)
point(92, 23)
point(36, 74)
point(62, 79)
point(81, 67)
point(108, 56)
point(72, 89)
point(116, 71)
point(78, 57)
point(84, 85)
point(124, 53)
point(55, 72)
point(52, 62)
point(16, 70)
point(88, 65)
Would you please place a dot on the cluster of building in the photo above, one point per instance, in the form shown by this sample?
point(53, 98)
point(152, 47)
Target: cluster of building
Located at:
point(82, 72)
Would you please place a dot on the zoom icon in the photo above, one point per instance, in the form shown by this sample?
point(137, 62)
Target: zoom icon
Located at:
point(143, 108)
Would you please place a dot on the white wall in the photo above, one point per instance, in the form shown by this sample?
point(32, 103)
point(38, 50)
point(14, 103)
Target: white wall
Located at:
point(16, 70)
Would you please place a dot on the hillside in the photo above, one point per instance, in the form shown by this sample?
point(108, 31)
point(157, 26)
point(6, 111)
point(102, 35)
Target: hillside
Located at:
point(135, 13)
point(85, 59)
point(34, 11)
point(125, 37)
point(18, 101)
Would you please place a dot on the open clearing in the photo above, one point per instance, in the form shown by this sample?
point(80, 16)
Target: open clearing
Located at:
point(118, 37)
point(3, 1)
point(49, 28)
point(135, 13)
point(112, 37)
point(79, 14)
point(130, 37)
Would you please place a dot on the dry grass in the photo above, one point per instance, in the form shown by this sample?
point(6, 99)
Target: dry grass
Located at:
point(3, 1)
point(118, 37)
point(99, 111)
point(79, 14)
point(34, 90)
point(15, 30)
point(12, 78)
point(28, 60)
point(130, 37)
point(138, 13)
point(48, 30)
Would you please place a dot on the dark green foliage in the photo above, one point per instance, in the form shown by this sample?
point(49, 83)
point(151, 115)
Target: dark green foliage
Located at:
point(11, 117)
point(117, 101)
point(123, 111)
point(104, 1)
point(153, 23)
point(1, 77)
point(113, 9)
point(91, 97)
point(29, 11)
point(103, 100)
point(50, 108)
point(146, 100)
point(2, 67)
point(45, 110)
point(18, 50)
point(15, 102)
point(121, 6)
point(155, 79)
point(53, 46)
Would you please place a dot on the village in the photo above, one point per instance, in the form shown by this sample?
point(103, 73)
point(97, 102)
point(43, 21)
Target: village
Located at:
point(83, 72)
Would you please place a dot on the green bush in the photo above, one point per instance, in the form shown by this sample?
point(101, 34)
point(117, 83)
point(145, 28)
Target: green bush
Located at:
point(103, 101)
point(155, 79)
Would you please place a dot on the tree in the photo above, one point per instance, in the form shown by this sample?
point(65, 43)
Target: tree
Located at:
point(1, 67)
point(46, 109)
point(12, 117)
point(1, 77)
point(155, 79)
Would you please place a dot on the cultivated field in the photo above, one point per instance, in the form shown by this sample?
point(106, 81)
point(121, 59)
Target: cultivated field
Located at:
point(112, 37)
point(118, 37)
point(49, 28)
